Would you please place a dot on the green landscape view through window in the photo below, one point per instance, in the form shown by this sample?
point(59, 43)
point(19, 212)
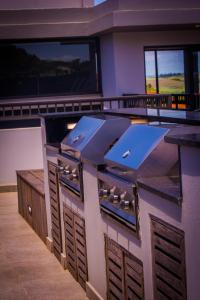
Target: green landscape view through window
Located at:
point(167, 67)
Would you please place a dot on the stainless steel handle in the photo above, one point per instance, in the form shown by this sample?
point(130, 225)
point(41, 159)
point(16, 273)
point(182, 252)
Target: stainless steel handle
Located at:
point(117, 171)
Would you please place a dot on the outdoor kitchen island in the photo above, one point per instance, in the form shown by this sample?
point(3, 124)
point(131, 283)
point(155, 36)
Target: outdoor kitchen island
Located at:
point(133, 233)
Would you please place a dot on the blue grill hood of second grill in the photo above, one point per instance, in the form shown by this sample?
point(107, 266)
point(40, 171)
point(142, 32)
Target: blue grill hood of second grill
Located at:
point(141, 151)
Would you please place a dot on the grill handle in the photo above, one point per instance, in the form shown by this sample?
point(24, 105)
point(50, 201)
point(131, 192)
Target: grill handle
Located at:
point(69, 150)
point(118, 171)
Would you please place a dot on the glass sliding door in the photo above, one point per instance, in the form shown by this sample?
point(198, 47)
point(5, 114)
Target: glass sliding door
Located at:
point(198, 71)
point(165, 71)
point(150, 70)
point(170, 64)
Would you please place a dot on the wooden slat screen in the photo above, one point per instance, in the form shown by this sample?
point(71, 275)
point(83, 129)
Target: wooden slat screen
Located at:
point(55, 209)
point(70, 246)
point(115, 270)
point(134, 280)
point(125, 279)
point(168, 261)
point(75, 244)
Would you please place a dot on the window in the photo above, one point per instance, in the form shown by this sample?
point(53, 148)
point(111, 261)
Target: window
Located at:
point(42, 68)
point(171, 78)
point(197, 71)
point(174, 70)
point(165, 71)
point(150, 72)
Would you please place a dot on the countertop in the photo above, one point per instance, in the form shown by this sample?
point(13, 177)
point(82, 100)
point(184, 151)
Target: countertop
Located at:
point(165, 187)
point(191, 140)
point(35, 178)
point(160, 115)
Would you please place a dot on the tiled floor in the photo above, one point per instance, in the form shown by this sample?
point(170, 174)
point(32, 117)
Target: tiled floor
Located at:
point(27, 269)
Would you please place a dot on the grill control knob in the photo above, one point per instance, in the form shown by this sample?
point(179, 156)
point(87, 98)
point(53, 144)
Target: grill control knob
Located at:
point(125, 204)
point(66, 170)
point(73, 175)
point(114, 198)
point(103, 192)
point(60, 169)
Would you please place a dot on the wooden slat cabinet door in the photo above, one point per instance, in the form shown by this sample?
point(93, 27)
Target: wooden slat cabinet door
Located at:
point(81, 253)
point(39, 215)
point(75, 245)
point(114, 270)
point(27, 202)
point(55, 209)
point(134, 279)
point(168, 249)
point(20, 196)
point(124, 271)
point(70, 244)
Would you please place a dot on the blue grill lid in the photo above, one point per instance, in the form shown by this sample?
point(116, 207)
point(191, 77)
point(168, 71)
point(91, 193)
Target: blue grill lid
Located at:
point(135, 145)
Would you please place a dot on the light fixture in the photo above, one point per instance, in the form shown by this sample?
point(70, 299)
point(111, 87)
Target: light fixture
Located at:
point(70, 126)
point(139, 121)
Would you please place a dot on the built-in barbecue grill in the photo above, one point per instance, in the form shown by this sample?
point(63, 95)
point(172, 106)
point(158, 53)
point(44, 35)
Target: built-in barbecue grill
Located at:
point(140, 152)
point(90, 139)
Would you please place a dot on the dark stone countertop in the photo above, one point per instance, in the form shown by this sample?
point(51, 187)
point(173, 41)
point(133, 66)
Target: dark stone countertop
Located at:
point(69, 114)
point(191, 140)
point(159, 115)
point(55, 147)
point(165, 187)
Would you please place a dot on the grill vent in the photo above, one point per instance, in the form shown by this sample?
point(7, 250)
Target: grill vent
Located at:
point(124, 273)
point(168, 261)
point(55, 209)
point(75, 244)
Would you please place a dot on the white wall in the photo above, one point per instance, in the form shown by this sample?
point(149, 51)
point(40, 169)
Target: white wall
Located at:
point(20, 149)
point(108, 66)
point(122, 57)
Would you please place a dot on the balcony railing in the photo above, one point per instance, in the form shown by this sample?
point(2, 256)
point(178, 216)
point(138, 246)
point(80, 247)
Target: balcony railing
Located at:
point(30, 110)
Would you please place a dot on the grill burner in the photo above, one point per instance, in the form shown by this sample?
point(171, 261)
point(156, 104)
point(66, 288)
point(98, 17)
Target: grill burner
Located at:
point(140, 151)
point(89, 140)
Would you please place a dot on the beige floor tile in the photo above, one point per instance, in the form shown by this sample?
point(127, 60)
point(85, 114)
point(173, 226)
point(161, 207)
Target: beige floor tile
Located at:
point(27, 269)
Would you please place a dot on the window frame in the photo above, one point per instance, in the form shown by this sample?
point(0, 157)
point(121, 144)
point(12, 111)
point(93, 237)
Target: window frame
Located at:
point(97, 61)
point(189, 67)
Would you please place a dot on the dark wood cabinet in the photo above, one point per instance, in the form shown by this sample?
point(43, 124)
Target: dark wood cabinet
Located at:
point(125, 279)
point(75, 245)
point(31, 200)
point(168, 249)
point(55, 209)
